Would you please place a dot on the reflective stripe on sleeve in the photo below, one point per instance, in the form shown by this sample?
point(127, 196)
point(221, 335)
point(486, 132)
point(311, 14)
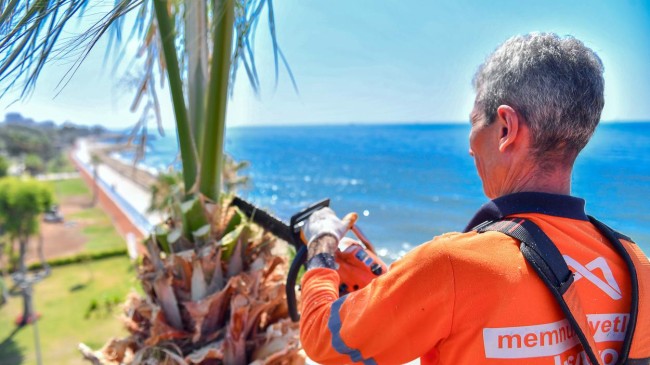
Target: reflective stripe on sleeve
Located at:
point(334, 325)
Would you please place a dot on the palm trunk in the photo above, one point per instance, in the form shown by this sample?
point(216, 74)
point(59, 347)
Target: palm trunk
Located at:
point(10, 259)
point(22, 247)
point(4, 296)
point(26, 288)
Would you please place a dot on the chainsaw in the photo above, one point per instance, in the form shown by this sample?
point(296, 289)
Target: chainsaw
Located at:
point(357, 261)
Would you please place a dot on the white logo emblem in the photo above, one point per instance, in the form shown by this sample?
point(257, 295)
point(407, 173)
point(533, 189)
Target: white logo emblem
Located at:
point(609, 286)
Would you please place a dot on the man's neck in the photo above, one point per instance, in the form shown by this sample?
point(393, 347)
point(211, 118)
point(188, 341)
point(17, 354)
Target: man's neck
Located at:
point(557, 181)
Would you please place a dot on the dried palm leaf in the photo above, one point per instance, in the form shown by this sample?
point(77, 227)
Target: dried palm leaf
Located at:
point(213, 351)
point(216, 282)
point(235, 343)
point(242, 321)
point(159, 355)
point(161, 331)
point(208, 314)
point(281, 345)
point(167, 299)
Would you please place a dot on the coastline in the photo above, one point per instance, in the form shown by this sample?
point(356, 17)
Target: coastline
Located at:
point(123, 190)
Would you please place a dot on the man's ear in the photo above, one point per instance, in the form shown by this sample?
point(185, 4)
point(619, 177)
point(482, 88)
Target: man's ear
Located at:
point(509, 122)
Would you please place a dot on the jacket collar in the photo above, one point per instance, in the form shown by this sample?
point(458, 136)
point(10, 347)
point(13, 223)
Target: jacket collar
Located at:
point(564, 206)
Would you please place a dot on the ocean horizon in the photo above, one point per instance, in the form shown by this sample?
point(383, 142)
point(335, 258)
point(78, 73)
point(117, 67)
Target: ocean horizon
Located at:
point(411, 182)
point(172, 131)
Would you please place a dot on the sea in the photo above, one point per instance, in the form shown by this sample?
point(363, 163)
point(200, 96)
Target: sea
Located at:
point(411, 182)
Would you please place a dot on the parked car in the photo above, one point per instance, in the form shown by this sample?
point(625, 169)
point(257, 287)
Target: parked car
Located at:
point(53, 215)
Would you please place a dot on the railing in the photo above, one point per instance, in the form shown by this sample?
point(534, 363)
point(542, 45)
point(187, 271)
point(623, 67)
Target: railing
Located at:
point(136, 217)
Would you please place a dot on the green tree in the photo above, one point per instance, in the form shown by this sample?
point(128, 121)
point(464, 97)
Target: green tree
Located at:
point(4, 166)
point(21, 140)
point(21, 204)
point(34, 164)
point(200, 289)
point(60, 163)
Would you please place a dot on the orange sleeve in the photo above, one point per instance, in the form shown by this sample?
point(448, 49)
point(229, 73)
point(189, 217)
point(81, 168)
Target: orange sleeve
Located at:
point(398, 317)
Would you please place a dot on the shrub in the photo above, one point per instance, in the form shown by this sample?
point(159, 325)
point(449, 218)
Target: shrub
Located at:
point(4, 166)
point(84, 256)
point(60, 163)
point(34, 164)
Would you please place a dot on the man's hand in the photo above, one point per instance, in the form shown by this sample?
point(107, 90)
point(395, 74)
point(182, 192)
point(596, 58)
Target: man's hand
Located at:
point(323, 232)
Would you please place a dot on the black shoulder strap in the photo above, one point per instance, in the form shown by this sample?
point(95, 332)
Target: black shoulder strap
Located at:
point(538, 249)
point(614, 238)
point(602, 227)
point(542, 254)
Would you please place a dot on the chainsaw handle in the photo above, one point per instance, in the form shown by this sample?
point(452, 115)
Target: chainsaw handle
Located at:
point(352, 218)
point(296, 224)
point(298, 261)
point(362, 237)
point(298, 221)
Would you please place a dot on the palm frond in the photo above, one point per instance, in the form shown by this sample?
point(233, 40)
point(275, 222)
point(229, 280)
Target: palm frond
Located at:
point(167, 35)
point(274, 39)
point(7, 10)
point(286, 65)
point(217, 92)
point(89, 38)
point(247, 17)
point(195, 22)
point(30, 37)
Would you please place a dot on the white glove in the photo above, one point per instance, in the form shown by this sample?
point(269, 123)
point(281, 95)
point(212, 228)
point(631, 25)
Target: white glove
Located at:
point(325, 221)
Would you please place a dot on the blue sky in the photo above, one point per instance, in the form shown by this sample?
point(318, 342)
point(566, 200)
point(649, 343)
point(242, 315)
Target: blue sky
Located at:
point(379, 61)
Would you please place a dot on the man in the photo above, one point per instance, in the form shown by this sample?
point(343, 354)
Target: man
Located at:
point(472, 298)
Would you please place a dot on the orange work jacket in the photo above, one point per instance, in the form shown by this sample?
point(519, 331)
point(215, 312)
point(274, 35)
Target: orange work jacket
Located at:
point(470, 298)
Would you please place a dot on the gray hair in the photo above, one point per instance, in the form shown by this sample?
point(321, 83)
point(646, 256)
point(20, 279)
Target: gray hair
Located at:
point(555, 83)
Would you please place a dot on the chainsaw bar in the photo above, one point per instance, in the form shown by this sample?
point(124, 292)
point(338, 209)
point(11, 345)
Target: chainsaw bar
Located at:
point(264, 219)
point(288, 232)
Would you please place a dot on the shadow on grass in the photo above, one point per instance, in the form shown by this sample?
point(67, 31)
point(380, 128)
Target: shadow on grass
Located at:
point(77, 287)
point(81, 286)
point(10, 353)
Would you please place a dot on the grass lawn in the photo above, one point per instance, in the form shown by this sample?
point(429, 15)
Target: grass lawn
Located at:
point(99, 231)
point(61, 163)
point(70, 188)
point(98, 227)
point(62, 300)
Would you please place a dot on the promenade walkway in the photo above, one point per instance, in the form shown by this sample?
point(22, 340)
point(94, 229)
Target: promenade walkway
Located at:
point(125, 201)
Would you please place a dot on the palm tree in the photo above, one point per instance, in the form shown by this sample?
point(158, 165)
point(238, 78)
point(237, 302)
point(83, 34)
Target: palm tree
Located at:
point(232, 180)
point(213, 281)
point(167, 193)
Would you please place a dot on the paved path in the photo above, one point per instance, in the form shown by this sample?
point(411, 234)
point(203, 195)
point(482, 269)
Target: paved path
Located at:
point(58, 176)
point(131, 198)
